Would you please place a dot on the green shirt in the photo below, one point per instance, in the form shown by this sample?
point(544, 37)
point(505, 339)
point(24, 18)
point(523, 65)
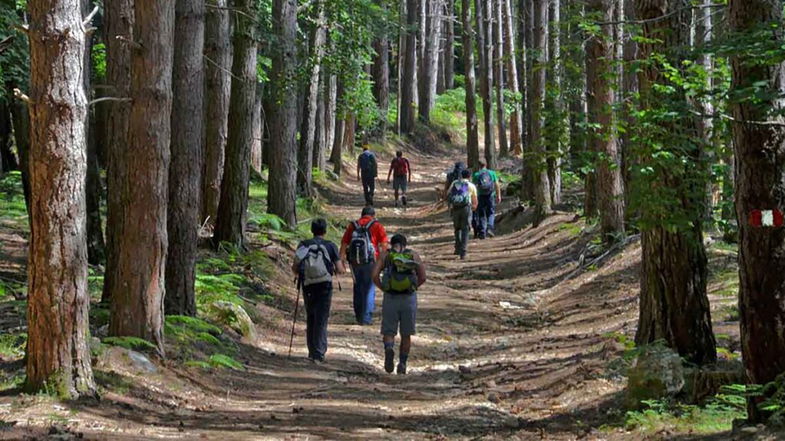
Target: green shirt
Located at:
point(494, 178)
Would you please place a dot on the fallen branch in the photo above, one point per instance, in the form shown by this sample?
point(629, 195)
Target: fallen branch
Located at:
point(109, 98)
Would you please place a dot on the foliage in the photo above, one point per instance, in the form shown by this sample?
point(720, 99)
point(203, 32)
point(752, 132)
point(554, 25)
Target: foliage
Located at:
point(225, 361)
point(12, 345)
point(132, 343)
point(12, 200)
point(98, 57)
point(15, 60)
point(715, 416)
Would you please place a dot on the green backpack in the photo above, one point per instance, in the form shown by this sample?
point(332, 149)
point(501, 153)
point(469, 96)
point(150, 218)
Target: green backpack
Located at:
point(400, 273)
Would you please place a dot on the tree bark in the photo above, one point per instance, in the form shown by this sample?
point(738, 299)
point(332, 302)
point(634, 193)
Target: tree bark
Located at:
point(185, 172)
point(629, 89)
point(218, 62)
point(538, 165)
point(674, 268)
point(308, 130)
point(337, 145)
point(58, 355)
point(472, 136)
point(599, 64)
point(380, 73)
point(512, 79)
point(119, 21)
point(282, 197)
point(449, 46)
point(330, 91)
point(760, 173)
point(233, 204)
point(485, 51)
point(20, 119)
point(409, 86)
point(257, 145)
point(498, 74)
point(705, 126)
point(138, 294)
point(430, 63)
point(555, 146)
point(8, 159)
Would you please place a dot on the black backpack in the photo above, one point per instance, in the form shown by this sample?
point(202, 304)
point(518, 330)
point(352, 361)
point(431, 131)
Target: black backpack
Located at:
point(361, 250)
point(368, 165)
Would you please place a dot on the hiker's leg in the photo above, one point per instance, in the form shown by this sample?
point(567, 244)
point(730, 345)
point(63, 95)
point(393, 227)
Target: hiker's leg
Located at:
point(310, 315)
point(491, 214)
point(406, 346)
point(364, 293)
point(321, 317)
point(358, 300)
point(370, 298)
point(465, 216)
point(484, 211)
point(456, 225)
point(371, 189)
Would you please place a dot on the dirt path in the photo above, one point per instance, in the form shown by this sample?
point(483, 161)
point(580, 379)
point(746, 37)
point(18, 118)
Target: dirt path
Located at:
point(511, 344)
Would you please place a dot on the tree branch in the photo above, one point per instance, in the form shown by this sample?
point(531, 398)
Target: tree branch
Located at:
point(87, 20)
point(21, 96)
point(656, 19)
point(109, 98)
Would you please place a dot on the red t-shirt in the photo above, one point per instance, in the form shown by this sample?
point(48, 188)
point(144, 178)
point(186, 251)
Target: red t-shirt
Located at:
point(377, 232)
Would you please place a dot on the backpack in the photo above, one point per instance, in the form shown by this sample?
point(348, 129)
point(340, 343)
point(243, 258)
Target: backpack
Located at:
point(400, 166)
point(485, 185)
point(315, 264)
point(459, 196)
point(361, 250)
point(454, 175)
point(368, 164)
point(400, 275)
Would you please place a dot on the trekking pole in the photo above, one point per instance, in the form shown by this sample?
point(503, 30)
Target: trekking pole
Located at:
point(294, 319)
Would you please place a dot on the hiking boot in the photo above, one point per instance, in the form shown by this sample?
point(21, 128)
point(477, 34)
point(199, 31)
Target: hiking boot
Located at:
point(463, 256)
point(401, 370)
point(389, 360)
point(491, 234)
point(403, 200)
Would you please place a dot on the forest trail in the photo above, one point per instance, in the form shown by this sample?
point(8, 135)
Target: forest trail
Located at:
point(512, 344)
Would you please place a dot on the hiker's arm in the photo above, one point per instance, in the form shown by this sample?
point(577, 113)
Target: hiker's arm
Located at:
point(389, 172)
point(377, 269)
point(498, 191)
point(410, 170)
point(340, 268)
point(421, 276)
point(358, 169)
point(296, 266)
point(475, 202)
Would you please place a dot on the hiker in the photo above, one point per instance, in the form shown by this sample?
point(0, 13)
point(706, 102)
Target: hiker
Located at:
point(401, 171)
point(366, 172)
point(488, 195)
point(452, 176)
point(462, 197)
point(398, 272)
point(362, 242)
point(316, 262)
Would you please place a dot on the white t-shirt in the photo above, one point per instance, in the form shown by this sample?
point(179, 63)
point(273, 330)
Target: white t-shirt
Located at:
point(472, 187)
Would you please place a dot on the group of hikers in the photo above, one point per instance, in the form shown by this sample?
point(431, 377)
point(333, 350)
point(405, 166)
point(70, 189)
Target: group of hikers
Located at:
point(387, 264)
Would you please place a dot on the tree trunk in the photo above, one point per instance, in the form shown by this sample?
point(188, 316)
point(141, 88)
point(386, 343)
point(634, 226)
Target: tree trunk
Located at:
point(138, 294)
point(440, 52)
point(119, 21)
point(330, 92)
point(760, 173)
point(449, 45)
point(485, 51)
point(96, 251)
point(230, 223)
point(58, 302)
point(218, 62)
point(381, 77)
point(556, 146)
point(538, 164)
point(674, 268)
point(409, 86)
point(337, 146)
point(599, 64)
point(281, 197)
point(20, 119)
point(7, 157)
point(308, 131)
point(257, 145)
point(430, 63)
point(705, 125)
point(629, 89)
point(512, 79)
point(185, 172)
point(498, 74)
point(472, 136)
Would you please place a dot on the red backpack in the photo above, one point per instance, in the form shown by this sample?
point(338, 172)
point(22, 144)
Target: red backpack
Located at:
point(400, 166)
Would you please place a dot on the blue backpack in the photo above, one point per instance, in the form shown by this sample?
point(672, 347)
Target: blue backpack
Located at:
point(485, 184)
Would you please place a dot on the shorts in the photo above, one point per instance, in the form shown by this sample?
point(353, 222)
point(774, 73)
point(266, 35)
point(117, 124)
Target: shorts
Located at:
point(399, 310)
point(400, 183)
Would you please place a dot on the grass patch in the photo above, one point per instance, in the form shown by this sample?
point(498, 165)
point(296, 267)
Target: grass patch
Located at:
point(12, 346)
point(12, 200)
point(714, 417)
point(113, 381)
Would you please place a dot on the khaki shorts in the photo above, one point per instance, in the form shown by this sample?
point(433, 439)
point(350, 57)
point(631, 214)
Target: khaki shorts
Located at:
point(399, 311)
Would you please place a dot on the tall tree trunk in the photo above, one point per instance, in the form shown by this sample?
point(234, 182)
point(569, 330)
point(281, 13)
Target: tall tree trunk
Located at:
point(337, 145)
point(232, 207)
point(760, 173)
point(185, 172)
point(705, 125)
point(330, 92)
point(538, 164)
point(449, 45)
point(599, 65)
point(629, 89)
point(58, 301)
point(472, 136)
point(485, 51)
point(138, 293)
point(257, 145)
point(381, 77)
point(20, 120)
point(409, 87)
point(430, 63)
point(555, 146)
point(119, 21)
point(674, 268)
point(282, 195)
point(308, 131)
point(218, 62)
point(440, 54)
point(512, 78)
point(498, 74)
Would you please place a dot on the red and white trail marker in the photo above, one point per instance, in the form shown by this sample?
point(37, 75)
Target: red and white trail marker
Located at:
point(766, 218)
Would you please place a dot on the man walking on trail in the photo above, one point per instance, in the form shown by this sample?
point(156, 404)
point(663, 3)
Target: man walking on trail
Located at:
point(452, 176)
point(462, 197)
point(361, 245)
point(316, 261)
point(398, 272)
point(367, 172)
point(402, 176)
point(488, 195)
